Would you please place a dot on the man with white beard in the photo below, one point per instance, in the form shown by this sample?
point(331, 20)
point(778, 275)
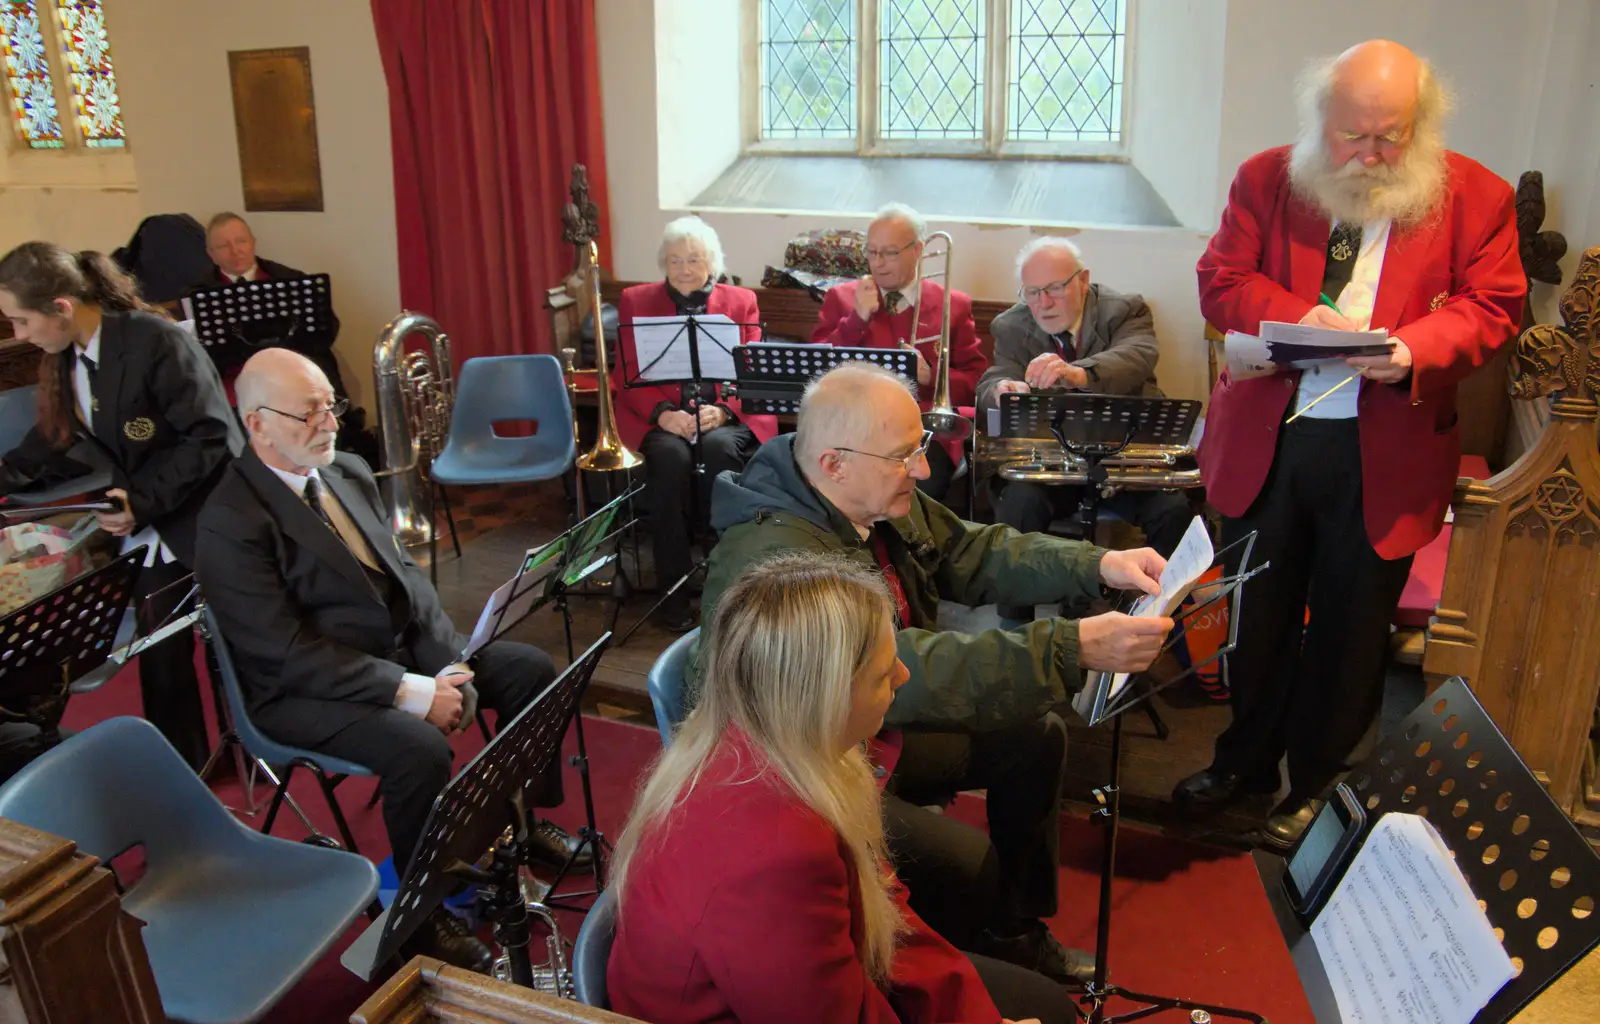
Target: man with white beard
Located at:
point(1366, 222)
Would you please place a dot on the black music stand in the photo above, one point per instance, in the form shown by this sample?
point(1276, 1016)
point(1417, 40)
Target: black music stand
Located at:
point(772, 378)
point(1536, 875)
point(649, 374)
point(232, 321)
point(481, 803)
point(62, 636)
point(1096, 704)
point(1098, 427)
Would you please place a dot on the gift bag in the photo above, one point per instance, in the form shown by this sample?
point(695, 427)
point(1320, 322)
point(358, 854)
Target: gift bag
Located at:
point(36, 558)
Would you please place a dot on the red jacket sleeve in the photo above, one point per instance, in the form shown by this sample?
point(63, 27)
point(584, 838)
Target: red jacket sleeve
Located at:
point(776, 939)
point(838, 324)
point(966, 355)
point(1484, 309)
point(639, 401)
point(932, 980)
point(1234, 294)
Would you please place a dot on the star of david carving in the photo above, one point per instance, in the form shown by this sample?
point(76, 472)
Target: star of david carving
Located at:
point(1560, 498)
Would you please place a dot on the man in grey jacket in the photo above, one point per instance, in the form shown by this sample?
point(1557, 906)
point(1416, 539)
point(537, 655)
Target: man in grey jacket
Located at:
point(1069, 333)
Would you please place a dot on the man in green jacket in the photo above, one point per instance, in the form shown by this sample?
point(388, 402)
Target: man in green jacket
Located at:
point(976, 712)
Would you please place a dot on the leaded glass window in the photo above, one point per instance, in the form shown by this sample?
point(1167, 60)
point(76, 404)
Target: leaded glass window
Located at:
point(808, 60)
point(30, 86)
point(93, 80)
point(1067, 69)
point(930, 62)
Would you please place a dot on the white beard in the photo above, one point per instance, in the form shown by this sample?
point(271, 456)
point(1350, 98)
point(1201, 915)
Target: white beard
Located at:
point(1354, 194)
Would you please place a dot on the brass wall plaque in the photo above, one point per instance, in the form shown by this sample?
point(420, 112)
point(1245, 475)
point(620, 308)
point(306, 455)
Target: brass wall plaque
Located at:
point(275, 117)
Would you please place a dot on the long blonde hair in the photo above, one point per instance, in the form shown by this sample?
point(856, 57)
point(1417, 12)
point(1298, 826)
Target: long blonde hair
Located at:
point(790, 638)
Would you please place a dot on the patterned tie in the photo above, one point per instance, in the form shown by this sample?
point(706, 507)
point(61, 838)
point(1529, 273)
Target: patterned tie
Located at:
point(891, 301)
point(1066, 345)
point(1344, 244)
point(318, 498)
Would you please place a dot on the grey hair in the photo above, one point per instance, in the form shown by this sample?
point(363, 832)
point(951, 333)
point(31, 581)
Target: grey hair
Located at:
point(1314, 89)
point(906, 215)
point(837, 409)
point(1052, 243)
point(692, 229)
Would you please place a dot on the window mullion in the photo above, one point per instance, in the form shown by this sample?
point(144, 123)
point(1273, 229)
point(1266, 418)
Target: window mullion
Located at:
point(867, 81)
point(60, 76)
point(996, 71)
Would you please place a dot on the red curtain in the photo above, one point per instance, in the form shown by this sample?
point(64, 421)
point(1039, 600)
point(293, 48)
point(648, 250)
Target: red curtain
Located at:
point(490, 104)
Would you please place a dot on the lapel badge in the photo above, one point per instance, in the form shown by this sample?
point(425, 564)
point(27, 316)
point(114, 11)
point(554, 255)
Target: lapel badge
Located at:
point(1438, 301)
point(139, 429)
point(1341, 251)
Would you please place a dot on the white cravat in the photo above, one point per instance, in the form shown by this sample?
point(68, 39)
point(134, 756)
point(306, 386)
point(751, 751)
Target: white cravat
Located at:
point(1355, 303)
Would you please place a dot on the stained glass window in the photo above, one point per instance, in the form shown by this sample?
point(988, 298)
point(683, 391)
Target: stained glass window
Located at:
point(94, 83)
point(32, 92)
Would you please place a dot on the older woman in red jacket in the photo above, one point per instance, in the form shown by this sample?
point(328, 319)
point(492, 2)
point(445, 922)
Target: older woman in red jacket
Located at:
point(663, 422)
point(752, 878)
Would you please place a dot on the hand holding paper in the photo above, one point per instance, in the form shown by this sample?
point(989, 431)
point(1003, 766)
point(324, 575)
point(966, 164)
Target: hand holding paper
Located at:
point(1139, 569)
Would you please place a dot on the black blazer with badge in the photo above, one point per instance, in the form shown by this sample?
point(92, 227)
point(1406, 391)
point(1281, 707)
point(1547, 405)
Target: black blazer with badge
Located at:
point(1117, 344)
point(316, 646)
point(161, 420)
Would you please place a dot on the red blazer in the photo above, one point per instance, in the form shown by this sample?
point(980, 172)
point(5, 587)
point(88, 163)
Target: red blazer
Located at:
point(840, 326)
point(634, 405)
point(744, 907)
point(1451, 289)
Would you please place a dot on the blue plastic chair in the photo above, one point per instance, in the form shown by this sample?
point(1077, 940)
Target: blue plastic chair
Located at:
point(592, 952)
point(665, 683)
point(233, 918)
point(328, 770)
point(17, 415)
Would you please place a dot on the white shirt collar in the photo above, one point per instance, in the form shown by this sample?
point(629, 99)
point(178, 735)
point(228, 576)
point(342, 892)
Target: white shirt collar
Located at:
point(91, 351)
point(253, 274)
point(296, 482)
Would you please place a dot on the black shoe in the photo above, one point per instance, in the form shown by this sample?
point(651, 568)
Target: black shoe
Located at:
point(1288, 820)
point(1211, 789)
point(550, 845)
point(678, 618)
point(1037, 949)
point(444, 936)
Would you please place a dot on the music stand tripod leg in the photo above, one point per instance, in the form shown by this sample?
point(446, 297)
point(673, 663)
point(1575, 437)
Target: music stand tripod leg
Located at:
point(589, 835)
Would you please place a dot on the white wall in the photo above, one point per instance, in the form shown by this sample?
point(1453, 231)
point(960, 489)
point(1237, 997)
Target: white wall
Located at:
point(172, 61)
point(1523, 74)
point(697, 83)
point(1176, 58)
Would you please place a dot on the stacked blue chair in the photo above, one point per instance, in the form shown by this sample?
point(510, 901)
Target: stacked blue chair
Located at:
point(233, 918)
point(17, 416)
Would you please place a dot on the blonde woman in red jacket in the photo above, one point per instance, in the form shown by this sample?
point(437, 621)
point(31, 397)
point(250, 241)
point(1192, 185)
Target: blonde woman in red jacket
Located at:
point(752, 878)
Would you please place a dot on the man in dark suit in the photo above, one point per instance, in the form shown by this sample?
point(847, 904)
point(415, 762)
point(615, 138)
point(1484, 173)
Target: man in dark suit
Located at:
point(339, 638)
point(1068, 333)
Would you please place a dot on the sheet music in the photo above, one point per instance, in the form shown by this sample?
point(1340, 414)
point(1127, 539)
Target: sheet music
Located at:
point(661, 345)
point(526, 587)
point(1319, 337)
point(1284, 346)
point(1190, 560)
point(1402, 939)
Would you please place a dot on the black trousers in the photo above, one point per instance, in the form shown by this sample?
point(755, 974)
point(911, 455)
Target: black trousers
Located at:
point(962, 882)
point(1020, 994)
point(941, 473)
point(669, 476)
point(21, 743)
point(1310, 691)
point(1030, 508)
point(168, 684)
point(413, 760)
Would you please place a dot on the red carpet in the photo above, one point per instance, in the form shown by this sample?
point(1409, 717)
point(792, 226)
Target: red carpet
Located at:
point(1188, 920)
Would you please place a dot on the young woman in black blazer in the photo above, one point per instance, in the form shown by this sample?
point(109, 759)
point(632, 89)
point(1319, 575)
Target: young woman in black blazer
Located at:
point(120, 384)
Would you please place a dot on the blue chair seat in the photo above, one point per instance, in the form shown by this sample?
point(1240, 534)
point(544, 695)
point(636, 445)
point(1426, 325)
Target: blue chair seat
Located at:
point(494, 389)
point(591, 953)
point(233, 918)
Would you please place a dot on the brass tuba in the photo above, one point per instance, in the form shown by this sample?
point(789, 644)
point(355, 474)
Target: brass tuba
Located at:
point(946, 423)
point(608, 453)
point(396, 375)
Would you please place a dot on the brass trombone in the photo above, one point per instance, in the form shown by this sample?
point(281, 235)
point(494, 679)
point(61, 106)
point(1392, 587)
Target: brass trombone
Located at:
point(608, 453)
point(946, 423)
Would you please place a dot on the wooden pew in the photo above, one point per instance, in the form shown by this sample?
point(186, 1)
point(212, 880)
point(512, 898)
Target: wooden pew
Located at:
point(428, 990)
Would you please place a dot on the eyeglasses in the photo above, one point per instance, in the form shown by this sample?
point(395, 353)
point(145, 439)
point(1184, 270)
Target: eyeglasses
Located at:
point(887, 254)
point(336, 408)
point(1055, 290)
point(1387, 139)
point(679, 263)
point(907, 460)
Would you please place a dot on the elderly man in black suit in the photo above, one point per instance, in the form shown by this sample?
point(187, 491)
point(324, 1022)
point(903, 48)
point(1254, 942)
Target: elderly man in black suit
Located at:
point(1069, 333)
point(339, 639)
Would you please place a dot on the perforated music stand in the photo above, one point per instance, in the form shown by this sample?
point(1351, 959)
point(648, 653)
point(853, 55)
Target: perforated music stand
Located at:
point(63, 635)
point(1535, 874)
point(232, 321)
point(473, 809)
point(772, 378)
